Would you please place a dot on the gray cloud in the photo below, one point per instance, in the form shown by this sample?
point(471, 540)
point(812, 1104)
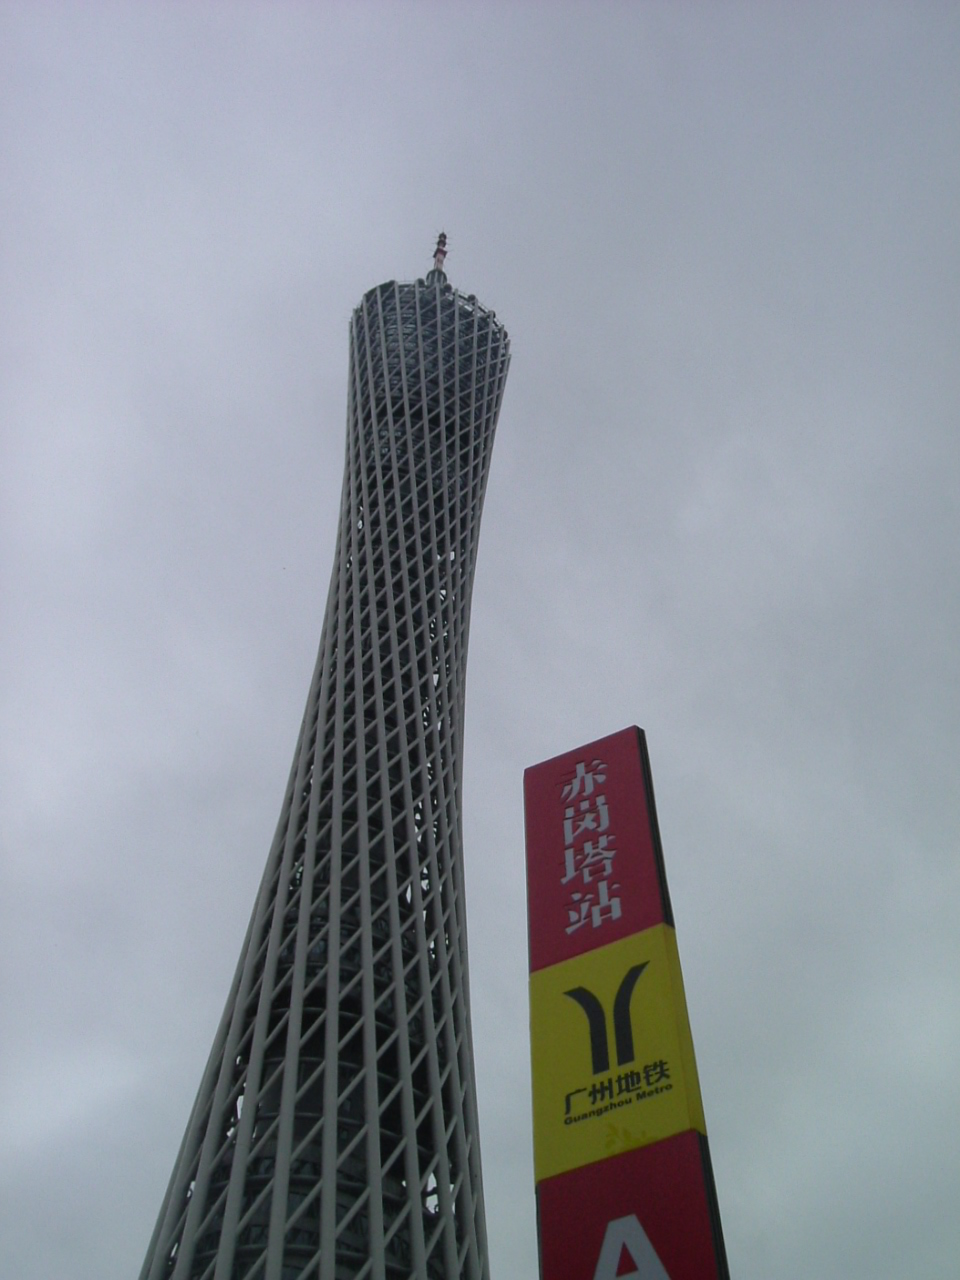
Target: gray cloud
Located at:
point(722, 505)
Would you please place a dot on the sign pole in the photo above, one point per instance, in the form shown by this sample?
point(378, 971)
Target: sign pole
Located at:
point(621, 1160)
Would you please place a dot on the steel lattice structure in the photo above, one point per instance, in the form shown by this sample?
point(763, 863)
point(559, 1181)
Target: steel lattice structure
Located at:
point(334, 1133)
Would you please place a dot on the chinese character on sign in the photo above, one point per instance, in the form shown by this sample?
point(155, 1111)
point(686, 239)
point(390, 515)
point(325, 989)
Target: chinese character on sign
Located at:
point(593, 861)
point(578, 910)
point(601, 1092)
point(593, 817)
point(628, 1082)
point(584, 780)
point(597, 908)
point(589, 848)
point(570, 1097)
point(654, 1072)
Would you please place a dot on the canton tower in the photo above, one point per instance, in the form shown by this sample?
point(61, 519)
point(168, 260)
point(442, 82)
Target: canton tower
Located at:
point(334, 1134)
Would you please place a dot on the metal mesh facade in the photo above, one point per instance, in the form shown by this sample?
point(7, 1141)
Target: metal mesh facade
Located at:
point(334, 1134)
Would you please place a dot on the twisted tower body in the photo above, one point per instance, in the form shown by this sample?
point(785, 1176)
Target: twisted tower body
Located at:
point(334, 1134)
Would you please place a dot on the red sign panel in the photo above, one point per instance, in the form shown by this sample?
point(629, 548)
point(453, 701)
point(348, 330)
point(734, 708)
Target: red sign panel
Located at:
point(594, 862)
point(649, 1214)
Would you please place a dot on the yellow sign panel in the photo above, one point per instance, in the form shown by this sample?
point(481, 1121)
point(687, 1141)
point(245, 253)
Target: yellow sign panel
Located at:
point(613, 1065)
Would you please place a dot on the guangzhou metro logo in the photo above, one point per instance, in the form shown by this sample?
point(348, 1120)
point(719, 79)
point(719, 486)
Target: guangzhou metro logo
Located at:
point(610, 1075)
point(597, 1021)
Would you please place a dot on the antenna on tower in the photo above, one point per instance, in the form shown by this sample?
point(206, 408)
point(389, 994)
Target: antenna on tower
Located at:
point(440, 252)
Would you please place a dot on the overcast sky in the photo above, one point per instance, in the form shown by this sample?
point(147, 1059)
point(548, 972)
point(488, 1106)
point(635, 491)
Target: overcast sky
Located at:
point(722, 505)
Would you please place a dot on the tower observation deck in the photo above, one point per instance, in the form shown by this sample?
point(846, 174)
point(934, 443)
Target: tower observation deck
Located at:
point(334, 1134)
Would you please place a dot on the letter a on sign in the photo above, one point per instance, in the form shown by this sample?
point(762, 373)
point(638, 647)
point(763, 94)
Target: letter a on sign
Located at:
point(627, 1254)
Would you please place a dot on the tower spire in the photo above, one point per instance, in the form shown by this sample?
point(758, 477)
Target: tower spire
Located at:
point(440, 252)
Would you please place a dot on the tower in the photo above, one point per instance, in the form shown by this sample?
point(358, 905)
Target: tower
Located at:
point(334, 1134)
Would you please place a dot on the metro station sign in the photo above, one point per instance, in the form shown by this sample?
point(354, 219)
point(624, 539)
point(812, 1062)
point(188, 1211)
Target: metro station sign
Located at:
point(621, 1161)
point(594, 863)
